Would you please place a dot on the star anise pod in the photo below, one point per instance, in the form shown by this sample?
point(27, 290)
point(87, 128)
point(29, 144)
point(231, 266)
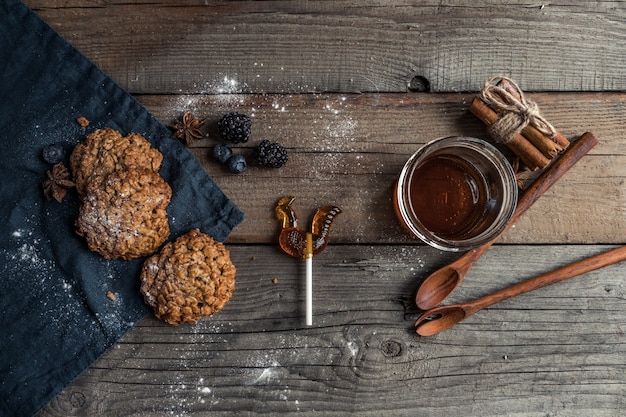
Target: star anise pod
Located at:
point(57, 182)
point(188, 128)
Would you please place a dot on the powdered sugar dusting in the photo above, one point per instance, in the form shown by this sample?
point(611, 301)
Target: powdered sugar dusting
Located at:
point(264, 369)
point(335, 127)
point(61, 297)
point(190, 390)
point(27, 253)
point(186, 391)
point(197, 103)
point(31, 266)
point(226, 85)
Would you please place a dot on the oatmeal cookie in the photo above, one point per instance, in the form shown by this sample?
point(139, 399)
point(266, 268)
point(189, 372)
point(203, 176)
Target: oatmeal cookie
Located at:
point(105, 151)
point(190, 278)
point(123, 214)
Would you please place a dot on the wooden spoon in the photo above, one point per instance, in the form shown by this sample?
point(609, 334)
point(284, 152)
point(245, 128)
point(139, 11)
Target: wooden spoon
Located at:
point(438, 319)
point(436, 287)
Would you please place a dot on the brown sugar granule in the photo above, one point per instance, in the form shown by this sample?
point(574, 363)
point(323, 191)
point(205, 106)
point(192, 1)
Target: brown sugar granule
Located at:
point(275, 281)
point(111, 295)
point(82, 121)
point(190, 278)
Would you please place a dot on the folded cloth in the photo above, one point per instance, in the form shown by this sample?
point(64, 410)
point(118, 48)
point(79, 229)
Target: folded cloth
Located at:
point(55, 316)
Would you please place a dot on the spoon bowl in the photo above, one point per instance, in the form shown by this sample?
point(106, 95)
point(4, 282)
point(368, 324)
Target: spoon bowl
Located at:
point(438, 319)
point(442, 282)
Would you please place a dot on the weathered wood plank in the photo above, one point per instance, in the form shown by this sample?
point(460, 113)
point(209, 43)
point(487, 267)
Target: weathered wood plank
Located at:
point(558, 351)
point(348, 150)
point(171, 47)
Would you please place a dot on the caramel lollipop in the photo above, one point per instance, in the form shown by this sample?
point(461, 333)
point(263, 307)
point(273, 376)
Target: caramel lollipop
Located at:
point(304, 245)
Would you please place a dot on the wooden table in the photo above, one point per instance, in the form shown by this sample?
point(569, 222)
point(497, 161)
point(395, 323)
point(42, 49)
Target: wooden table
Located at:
point(352, 89)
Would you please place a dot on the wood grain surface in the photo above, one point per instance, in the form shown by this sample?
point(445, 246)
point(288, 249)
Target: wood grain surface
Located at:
point(360, 143)
point(352, 89)
point(173, 47)
point(559, 350)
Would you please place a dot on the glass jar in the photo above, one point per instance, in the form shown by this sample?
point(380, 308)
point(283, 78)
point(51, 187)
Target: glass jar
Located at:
point(456, 193)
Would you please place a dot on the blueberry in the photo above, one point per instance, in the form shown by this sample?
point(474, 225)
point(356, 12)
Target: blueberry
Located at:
point(222, 153)
point(237, 164)
point(53, 154)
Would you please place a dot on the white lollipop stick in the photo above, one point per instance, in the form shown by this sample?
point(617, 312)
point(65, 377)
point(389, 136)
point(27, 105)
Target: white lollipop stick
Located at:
point(309, 279)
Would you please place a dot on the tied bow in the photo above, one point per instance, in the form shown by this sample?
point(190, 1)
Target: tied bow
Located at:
point(517, 111)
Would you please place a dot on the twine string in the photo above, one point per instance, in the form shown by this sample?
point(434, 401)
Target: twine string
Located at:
point(517, 111)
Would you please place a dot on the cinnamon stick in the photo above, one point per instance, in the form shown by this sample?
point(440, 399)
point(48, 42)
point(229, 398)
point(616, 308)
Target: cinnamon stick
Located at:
point(521, 146)
point(558, 138)
point(546, 146)
point(550, 147)
point(561, 140)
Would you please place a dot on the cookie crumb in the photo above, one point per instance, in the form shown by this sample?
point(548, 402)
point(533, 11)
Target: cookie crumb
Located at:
point(111, 295)
point(275, 281)
point(82, 121)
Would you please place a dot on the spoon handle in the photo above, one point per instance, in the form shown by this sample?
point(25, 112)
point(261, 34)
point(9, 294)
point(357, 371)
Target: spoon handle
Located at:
point(560, 274)
point(547, 179)
point(552, 174)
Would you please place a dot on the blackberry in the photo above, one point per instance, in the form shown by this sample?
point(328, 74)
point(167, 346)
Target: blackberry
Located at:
point(53, 154)
point(237, 164)
point(222, 152)
point(270, 154)
point(235, 127)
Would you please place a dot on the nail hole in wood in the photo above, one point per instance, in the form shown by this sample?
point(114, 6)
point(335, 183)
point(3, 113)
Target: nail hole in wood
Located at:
point(419, 84)
point(391, 348)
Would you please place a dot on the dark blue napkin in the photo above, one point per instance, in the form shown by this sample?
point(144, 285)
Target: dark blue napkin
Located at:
point(55, 316)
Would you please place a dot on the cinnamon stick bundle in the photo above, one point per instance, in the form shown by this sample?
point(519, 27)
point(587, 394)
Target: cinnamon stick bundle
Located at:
point(550, 147)
point(515, 121)
point(522, 147)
